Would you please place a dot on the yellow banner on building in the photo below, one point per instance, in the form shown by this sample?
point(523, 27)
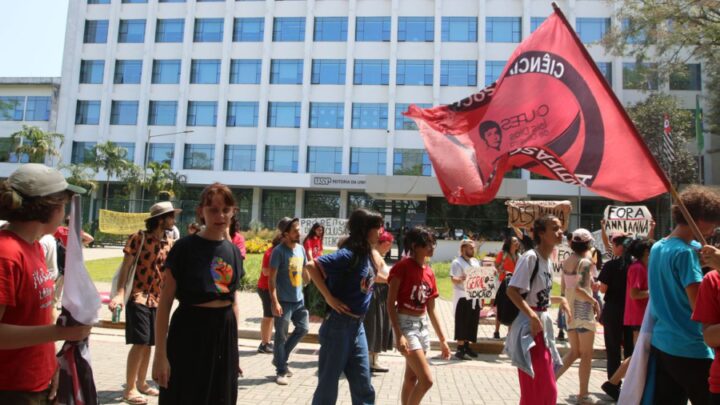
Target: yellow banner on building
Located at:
point(121, 223)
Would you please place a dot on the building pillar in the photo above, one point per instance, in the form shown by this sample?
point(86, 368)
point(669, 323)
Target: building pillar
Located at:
point(256, 201)
point(343, 204)
point(299, 202)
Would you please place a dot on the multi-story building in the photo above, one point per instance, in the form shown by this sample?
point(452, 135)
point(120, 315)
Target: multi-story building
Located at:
point(297, 104)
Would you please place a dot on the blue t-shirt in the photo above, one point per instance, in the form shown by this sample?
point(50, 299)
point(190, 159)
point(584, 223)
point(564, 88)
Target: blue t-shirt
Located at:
point(289, 264)
point(673, 266)
point(350, 282)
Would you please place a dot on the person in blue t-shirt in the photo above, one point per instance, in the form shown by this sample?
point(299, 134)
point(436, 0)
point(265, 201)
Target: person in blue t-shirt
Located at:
point(286, 279)
point(345, 278)
point(682, 358)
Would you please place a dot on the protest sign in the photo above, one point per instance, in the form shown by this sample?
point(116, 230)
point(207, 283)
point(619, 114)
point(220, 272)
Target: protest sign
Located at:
point(481, 283)
point(334, 229)
point(559, 254)
point(522, 214)
point(630, 219)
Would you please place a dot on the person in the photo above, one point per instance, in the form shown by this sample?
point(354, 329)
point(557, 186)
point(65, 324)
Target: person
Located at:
point(173, 233)
point(32, 200)
point(578, 279)
point(313, 244)
point(682, 359)
point(50, 249)
point(505, 265)
point(287, 274)
point(707, 311)
point(193, 228)
point(346, 279)
point(151, 248)
point(377, 323)
point(236, 237)
point(467, 311)
point(411, 299)
point(263, 288)
point(531, 295)
point(196, 360)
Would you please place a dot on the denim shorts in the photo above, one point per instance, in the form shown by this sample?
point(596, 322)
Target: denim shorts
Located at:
point(415, 330)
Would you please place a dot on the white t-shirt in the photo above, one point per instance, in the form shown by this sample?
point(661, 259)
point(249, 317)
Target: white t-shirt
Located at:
point(459, 268)
point(49, 247)
point(539, 292)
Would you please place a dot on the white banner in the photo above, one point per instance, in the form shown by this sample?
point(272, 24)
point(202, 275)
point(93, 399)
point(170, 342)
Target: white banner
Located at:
point(630, 219)
point(334, 229)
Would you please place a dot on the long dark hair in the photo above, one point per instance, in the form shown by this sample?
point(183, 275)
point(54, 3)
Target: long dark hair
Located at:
point(234, 226)
point(507, 244)
point(359, 225)
point(637, 247)
point(418, 236)
point(312, 231)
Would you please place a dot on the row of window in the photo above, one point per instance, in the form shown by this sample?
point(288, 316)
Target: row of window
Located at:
point(25, 108)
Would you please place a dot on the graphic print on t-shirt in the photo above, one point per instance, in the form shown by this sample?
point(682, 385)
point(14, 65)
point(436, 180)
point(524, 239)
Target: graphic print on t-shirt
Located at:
point(367, 282)
point(543, 296)
point(420, 294)
point(295, 265)
point(222, 274)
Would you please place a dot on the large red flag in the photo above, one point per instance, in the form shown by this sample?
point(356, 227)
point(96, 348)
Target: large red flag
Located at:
point(550, 112)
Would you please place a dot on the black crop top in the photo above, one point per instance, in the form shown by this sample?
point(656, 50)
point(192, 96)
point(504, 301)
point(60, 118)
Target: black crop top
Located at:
point(204, 270)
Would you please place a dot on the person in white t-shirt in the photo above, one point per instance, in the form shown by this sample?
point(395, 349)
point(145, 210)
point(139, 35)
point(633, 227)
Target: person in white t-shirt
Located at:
point(467, 312)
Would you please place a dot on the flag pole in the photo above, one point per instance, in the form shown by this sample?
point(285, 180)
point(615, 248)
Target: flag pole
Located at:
point(668, 184)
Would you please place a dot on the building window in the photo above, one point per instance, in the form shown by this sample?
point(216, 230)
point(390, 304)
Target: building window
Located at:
point(330, 29)
point(324, 159)
point(328, 71)
point(281, 159)
point(239, 158)
point(83, 152)
point(688, 78)
point(321, 204)
point(459, 29)
point(249, 29)
point(98, 1)
point(134, 1)
point(458, 73)
point(95, 31)
point(283, 115)
point(286, 71)
point(242, 114)
point(12, 108)
point(289, 29)
point(38, 108)
point(640, 77)
point(535, 22)
point(123, 112)
point(411, 162)
point(131, 31)
point(277, 204)
point(493, 69)
point(170, 30)
point(367, 161)
point(7, 152)
point(245, 71)
point(129, 150)
point(91, 71)
point(166, 71)
point(591, 30)
point(199, 156)
point(371, 71)
point(404, 123)
point(326, 115)
point(372, 29)
point(416, 29)
point(87, 112)
point(503, 29)
point(414, 72)
point(128, 71)
point(606, 70)
point(208, 30)
point(369, 116)
point(161, 153)
point(205, 71)
point(202, 113)
point(162, 113)
point(171, 1)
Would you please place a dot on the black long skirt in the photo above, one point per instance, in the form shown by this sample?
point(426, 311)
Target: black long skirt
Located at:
point(377, 322)
point(202, 349)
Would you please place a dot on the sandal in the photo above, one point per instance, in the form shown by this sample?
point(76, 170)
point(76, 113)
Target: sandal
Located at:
point(149, 391)
point(135, 400)
point(585, 400)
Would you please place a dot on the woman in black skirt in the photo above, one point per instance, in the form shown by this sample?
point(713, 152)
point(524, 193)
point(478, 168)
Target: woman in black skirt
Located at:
point(377, 323)
point(196, 360)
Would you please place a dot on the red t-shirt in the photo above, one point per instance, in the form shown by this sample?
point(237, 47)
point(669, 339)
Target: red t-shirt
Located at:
point(637, 277)
point(239, 241)
point(62, 233)
point(314, 245)
point(417, 286)
point(263, 280)
point(26, 290)
point(707, 311)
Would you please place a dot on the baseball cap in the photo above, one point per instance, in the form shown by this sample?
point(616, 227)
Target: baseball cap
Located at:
point(38, 180)
point(582, 235)
point(162, 208)
point(284, 224)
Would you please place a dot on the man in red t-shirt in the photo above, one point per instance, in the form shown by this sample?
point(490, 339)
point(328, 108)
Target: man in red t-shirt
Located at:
point(707, 312)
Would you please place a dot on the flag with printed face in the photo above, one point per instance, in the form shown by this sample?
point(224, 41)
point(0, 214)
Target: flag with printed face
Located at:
point(668, 144)
point(551, 112)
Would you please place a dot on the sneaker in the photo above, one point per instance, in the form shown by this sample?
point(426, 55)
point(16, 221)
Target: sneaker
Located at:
point(264, 348)
point(611, 389)
point(496, 335)
point(377, 368)
point(470, 352)
point(288, 373)
point(561, 337)
point(282, 379)
point(461, 355)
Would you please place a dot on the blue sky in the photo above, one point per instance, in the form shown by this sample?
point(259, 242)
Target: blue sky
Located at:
point(33, 33)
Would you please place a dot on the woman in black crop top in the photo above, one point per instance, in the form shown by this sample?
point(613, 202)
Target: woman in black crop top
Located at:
point(196, 360)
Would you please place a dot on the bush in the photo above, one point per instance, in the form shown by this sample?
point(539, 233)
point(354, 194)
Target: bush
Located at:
point(257, 245)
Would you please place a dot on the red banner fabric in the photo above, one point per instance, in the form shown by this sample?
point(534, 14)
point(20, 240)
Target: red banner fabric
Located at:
point(550, 112)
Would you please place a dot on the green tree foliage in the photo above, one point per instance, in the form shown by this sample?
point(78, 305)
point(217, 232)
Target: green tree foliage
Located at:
point(36, 143)
point(80, 175)
point(112, 159)
point(161, 179)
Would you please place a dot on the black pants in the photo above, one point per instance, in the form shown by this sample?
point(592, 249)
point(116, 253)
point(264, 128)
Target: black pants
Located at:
point(616, 335)
point(466, 320)
point(714, 399)
point(678, 379)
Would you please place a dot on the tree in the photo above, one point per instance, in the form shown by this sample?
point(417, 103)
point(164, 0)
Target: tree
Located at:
point(80, 175)
point(161, 178)
point(111, 158)
point(36, 143)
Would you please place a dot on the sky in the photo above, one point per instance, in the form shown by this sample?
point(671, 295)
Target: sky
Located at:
point(33, 33)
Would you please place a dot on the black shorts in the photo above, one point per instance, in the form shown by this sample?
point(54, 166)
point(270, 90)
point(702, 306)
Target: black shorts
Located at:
point(265, 298)
point(139, 324)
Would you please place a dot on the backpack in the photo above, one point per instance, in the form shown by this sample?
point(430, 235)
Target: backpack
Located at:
point(506, 309)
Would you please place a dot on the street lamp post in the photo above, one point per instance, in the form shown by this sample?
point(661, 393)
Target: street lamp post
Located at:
point(147, 152)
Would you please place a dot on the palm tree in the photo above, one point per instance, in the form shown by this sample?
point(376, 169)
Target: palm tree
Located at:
point(80, 176)
point(162, 178)
point(111, 158)
point(36, 143)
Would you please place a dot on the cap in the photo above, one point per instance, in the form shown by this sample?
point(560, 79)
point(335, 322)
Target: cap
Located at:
point(385, 236)
point(284, 224)
point(38, 180)
point(162, 208)
point(582, 235)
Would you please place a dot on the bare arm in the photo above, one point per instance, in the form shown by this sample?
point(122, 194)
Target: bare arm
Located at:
point(438, 328)
point(16, 336)
point(87, 239)
point(319, 280)
point(584, 293)
point(272, 287)
point(638, 294)
point(118, 299)
point(392, 309)
point(711, 333)
point(604, 235)
point(161, 365)
point(236, 306)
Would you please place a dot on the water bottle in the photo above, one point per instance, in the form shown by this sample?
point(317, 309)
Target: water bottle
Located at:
point(116, 314)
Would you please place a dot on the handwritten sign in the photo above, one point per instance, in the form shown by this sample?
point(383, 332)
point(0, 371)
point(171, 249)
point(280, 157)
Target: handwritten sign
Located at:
point(630, 219)
point(559, 254)
point(334, 229)
point(522, 214)
point(481, 283)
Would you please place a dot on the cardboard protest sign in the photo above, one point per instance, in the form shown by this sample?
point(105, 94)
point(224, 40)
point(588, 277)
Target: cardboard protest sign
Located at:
point(334, 229)
point(559, 254)
point(522, 214)
point(630, 219)
point(481, 283)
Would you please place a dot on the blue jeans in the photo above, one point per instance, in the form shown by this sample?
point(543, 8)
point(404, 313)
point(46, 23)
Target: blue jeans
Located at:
point(343, 348)
point(296, 313)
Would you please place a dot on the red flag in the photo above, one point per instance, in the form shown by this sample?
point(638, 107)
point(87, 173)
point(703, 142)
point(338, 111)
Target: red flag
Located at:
point(550, 112)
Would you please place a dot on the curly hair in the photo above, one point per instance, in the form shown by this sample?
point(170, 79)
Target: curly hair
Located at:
point(16, 207)
point(701, 201)
point(418, 236)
